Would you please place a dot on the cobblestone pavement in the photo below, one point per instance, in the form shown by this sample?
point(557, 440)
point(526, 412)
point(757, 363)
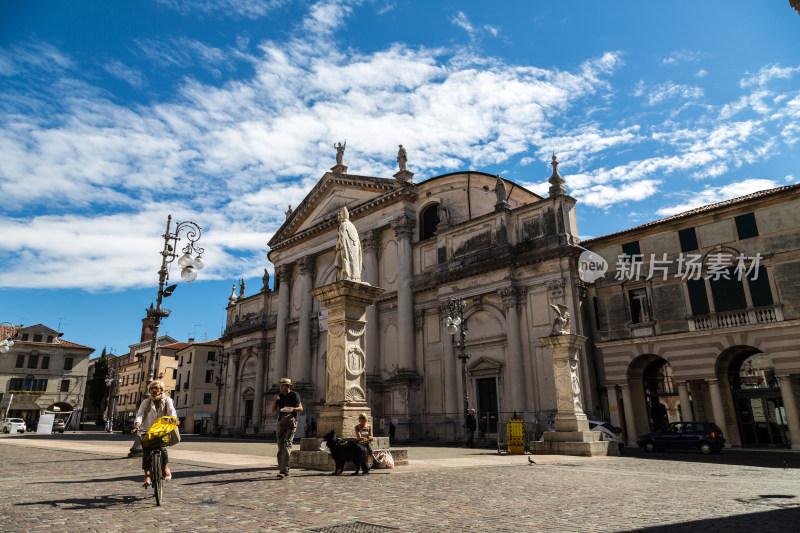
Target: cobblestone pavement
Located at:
point(76, 483)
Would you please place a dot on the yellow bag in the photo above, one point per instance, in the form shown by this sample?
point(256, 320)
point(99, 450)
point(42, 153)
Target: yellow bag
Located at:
point(158, 434)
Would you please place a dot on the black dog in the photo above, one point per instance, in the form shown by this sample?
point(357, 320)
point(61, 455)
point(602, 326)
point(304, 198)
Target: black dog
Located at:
point(347, 450)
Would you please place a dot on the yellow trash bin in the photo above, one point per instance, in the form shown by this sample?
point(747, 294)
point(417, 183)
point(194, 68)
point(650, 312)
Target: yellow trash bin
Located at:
point(515, 436)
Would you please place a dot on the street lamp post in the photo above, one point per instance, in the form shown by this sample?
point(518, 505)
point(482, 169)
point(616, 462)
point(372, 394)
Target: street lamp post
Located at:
point(456, 324)
point(189, 266)
point(222, 363)
point(112, 382)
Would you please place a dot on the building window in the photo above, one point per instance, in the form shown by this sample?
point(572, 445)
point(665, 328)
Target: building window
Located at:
point(688, 238)
point(68, 363)
point(37, 337)
point(64, 385)
point(206, 398)
point(640, 307)
point(631, 250)
point(746, 226)
point(174, 373)
point(209, 376)
point(760, 292)
point(49, 339)
point(698, 297)
point(211, 357)
point(728, 294)
point(33, 361)
point(428, 220)
point(45, 362)
point(185, 399)
point(181, 363)
point(20, 361)
point(24, 337)
point(190, 358)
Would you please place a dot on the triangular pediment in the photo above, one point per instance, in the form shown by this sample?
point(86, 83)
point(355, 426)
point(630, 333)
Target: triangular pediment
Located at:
point(486, 365)
point(318, 209)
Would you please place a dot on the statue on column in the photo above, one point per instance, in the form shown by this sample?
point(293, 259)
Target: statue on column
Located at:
point(561, 324)
point(241, 288)
point(402, 158)
point(348, 249)
point(340, 152)
point(265, 279)
point(500, 190)
point(443, 213)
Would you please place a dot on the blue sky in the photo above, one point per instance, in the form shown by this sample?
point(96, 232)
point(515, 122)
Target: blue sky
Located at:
point(115, 114)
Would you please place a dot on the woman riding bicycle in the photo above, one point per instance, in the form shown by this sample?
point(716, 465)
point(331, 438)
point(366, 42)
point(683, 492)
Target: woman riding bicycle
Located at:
point(156, 405)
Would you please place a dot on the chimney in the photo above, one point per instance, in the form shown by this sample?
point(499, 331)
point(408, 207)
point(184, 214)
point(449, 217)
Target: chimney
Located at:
point(191, 340)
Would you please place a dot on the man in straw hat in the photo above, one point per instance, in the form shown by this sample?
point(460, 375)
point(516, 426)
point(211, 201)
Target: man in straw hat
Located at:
point(288, 404)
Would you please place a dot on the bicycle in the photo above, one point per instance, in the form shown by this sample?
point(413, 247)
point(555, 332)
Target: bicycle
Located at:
point(157, 475)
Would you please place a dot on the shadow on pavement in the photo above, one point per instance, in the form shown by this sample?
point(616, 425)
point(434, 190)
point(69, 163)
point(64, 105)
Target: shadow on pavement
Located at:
point(98, 502)
point(776, 520)
point(739, 457)
point(177, 475)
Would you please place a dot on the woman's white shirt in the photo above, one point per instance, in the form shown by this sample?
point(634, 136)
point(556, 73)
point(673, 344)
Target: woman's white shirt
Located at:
point(147, 419)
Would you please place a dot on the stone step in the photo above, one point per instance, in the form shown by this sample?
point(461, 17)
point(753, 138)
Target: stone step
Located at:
point(318, 460)
point(310, 444)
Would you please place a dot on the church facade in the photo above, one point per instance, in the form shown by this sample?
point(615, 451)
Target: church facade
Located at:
point(505, 252)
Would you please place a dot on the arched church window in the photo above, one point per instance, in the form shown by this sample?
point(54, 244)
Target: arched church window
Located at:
point(428, 220)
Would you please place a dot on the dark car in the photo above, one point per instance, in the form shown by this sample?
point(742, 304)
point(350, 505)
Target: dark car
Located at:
point(703, 436)
point(59, 426)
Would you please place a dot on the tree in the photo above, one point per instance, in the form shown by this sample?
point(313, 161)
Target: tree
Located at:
point(97, 385)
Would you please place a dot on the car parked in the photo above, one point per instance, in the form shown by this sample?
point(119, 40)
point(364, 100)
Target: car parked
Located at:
point(59, 426)
point(703, 436)
point(608, 432)
point(13, 425)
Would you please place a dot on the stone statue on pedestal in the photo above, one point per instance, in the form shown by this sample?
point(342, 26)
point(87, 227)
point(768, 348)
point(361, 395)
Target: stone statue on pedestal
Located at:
point(561, 324)
point(348, 250)
point(402, 158)
point(265, 279)
point(340, 152)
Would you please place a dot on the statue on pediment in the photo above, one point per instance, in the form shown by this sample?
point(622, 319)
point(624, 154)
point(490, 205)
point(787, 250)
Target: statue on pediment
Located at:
point(340, 152)
point(402, 158)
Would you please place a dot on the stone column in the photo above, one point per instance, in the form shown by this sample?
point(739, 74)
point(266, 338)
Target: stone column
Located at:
point(518, 375)
point(258, 396)
point(403, 229)
point(283, 273)
point(790, 407)
point(451, 379)
point(686, 406)
point(307, 267)
point(572, 435)
point(345, 378)
point(613, 406)
point(630, 419)
point(370, 244)
point(717, 408)
point(231, 403)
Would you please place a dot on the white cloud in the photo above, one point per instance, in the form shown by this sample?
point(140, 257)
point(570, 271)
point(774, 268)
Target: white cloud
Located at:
point(682, 56)
point(711, 195)
point(460, 20)
point(251, 9)
point(667, 91)
point(125, 73)
point(767, 74)
point(702, 73)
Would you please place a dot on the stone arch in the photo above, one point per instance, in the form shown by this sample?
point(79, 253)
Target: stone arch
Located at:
point(653, 390)
point(488, 316)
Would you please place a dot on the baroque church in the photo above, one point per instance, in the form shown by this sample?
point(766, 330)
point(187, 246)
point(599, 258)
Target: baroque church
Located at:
point(503, 251)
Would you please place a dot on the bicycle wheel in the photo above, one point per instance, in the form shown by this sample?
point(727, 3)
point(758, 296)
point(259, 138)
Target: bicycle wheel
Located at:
point(156, 475)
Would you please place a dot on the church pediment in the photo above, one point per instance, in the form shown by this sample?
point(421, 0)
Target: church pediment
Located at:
point(317, 212)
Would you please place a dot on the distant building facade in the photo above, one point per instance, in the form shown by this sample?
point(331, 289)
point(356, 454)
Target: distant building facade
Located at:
point(42, 372)
point(698, 319)
point(196, 390)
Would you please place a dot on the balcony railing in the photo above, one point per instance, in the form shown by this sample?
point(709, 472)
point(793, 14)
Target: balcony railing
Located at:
point(734, 319)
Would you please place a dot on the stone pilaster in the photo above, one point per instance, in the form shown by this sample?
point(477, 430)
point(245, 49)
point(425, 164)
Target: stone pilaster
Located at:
point(370, 246)
point(307, 268)
point(404, 228)
point(686, 407)
point(518, 374)
point(790, 406)
point(284, 275)
point(262, 353)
